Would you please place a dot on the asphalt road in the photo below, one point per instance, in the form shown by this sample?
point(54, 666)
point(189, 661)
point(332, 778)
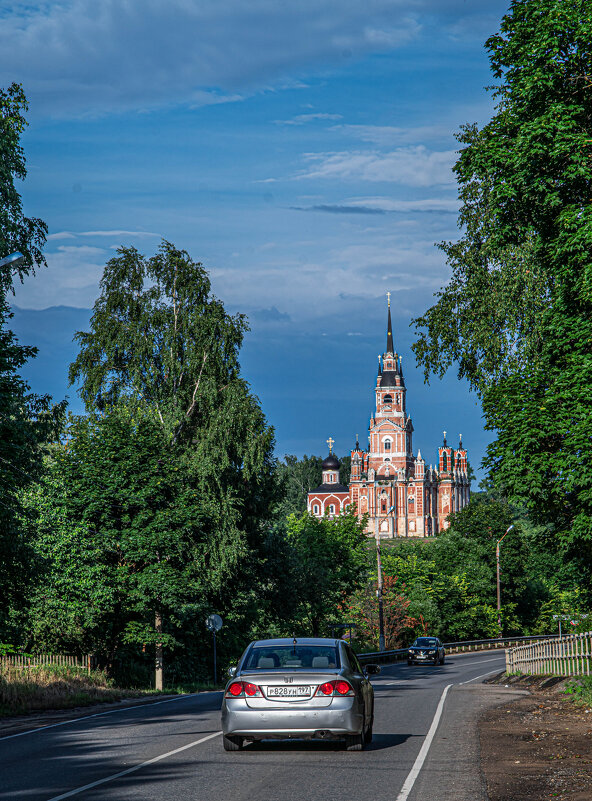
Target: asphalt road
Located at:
point(172, 749)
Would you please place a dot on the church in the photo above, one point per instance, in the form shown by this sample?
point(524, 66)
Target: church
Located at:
point(401, 496)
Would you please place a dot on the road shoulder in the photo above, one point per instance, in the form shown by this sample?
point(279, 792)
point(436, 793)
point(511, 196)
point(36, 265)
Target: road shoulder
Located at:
point(537, 747)
point(452, 769)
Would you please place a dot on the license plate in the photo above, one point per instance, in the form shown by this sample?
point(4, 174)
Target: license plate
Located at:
point(296, 691)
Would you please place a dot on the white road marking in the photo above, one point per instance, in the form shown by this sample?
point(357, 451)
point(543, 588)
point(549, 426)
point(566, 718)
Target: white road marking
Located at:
point(134, 769)
point(100, 714)
point(482, 676)
point(414, 772)
point(481, 661)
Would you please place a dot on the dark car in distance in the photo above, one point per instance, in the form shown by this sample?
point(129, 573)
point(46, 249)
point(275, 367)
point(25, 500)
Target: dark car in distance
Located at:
point(426, 649)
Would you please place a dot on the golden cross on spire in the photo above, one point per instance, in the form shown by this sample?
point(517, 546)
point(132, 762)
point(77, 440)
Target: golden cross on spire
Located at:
point(330, 443)
point(388, 297)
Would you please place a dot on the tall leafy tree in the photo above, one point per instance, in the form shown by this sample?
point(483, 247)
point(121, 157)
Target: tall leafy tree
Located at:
point(161, 347)
point(516, 315)
point(330, 562)
point(17, 232)
point(25, 419)
point(123, 534)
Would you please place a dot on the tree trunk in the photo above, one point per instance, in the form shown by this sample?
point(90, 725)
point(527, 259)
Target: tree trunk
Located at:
point(159, 670)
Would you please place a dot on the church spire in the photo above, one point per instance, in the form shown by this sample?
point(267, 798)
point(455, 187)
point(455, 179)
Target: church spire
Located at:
point(389, 332)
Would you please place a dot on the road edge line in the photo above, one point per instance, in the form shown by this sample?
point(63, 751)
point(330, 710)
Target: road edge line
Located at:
point(423, 752)
point(482, 676)
point(135, 768)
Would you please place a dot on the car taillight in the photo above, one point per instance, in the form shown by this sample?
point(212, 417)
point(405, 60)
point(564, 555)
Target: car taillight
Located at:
point(242, 688)
point(343, 688)
point(338, 687)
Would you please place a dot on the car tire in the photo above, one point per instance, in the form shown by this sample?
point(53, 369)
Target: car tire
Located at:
point(442, 660)
point(232, 743)
point(368, 734)
point(354, 742)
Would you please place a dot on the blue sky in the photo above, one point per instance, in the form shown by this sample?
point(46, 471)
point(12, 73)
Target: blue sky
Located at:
point(301, 151)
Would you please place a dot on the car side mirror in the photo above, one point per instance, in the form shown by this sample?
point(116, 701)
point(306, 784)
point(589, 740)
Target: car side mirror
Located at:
point(232, 672)
point(372, 670)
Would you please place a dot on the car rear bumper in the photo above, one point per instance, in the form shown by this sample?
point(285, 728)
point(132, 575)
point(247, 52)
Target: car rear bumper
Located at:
point(298, 723)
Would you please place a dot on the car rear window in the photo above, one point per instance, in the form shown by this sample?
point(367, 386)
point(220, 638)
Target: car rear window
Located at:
point(291, 657)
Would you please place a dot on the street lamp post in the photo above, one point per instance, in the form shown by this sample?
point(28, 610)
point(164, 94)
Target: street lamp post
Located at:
point(499, 598)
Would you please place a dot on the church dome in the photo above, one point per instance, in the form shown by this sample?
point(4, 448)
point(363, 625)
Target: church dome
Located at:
point(331, 462)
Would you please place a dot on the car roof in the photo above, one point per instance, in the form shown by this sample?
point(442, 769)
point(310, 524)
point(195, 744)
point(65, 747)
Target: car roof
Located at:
point(299, 641)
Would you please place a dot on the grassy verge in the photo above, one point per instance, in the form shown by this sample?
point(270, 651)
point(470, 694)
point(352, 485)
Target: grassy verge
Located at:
point(580, 689)
point(50, 687)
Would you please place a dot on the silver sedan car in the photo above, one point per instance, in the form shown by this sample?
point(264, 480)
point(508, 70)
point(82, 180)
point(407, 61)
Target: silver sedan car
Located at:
point(301, 688)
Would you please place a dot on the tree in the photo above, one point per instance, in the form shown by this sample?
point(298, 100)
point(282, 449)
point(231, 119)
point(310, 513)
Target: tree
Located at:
point(26, 423)
point(123, 533)
point(362, 609)
point(25, 419)
point(516, 314)
point(297, 477)
point(17, 232)
point(162, 348)
point(330, 561)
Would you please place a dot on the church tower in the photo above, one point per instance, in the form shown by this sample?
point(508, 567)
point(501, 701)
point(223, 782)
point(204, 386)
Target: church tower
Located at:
point(400, 495)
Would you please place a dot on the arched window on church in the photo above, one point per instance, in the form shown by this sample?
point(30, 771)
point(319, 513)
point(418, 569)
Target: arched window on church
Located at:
point(444, 461)
point(387, 400)
point(315, 509)
point(332, 509)
point(387, 444)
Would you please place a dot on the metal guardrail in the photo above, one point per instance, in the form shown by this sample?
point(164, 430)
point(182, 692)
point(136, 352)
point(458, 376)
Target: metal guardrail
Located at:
point(461, 646)
point(570, 655)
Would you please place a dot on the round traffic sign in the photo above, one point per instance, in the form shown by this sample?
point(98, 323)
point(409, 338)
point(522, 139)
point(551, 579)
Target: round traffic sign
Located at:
point(214, 622)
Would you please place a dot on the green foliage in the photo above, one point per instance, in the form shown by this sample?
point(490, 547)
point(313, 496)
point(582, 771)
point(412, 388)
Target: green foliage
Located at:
point(26, 420)
point(516, 314)
point(160, 500)
point(450, 582)
point(17, 232)
point(120, 530)
point(297, 477)
point(329, 561)
point(580, 689)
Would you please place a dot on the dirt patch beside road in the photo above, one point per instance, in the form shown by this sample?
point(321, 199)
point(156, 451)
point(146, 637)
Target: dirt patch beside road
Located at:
point(537, 747)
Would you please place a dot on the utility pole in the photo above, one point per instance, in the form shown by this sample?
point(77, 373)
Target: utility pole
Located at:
point(381, 640)
point(499, 597)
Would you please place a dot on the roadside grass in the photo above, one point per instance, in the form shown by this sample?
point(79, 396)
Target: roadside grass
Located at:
point(39, 688)
point(44, 687)
point(580, 688)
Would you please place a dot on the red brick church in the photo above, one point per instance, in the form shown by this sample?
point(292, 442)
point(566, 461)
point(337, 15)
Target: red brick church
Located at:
point(400, 494)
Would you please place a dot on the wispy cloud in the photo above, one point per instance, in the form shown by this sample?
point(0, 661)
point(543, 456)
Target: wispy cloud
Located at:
point(303, 119)
point(392, 136)
point(115, 232)
point(83, 57)
point(336, 209)
point(409, 166)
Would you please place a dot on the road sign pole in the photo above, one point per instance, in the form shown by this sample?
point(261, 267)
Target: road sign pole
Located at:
point(215, 658)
